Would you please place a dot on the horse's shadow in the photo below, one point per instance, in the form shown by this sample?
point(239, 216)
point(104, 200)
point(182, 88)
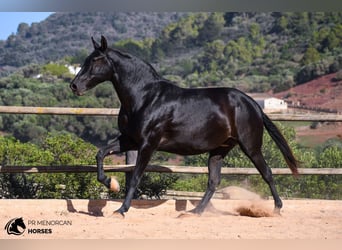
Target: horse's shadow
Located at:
point(212, 209)
point(94, 208)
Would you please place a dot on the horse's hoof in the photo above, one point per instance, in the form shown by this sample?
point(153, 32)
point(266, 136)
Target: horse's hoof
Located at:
point(118, 214)
point(114, 185)
point(276, 211)
point(188, 215)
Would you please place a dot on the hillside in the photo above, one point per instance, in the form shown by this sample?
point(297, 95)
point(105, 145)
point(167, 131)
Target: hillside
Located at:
point(325, 92)
point(255, 52)
point(64, 34)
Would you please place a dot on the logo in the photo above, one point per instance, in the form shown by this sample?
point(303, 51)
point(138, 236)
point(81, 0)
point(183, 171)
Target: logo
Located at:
point(16, 226)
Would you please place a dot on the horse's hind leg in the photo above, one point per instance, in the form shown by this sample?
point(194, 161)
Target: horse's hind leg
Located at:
point(250, 135)
point(215, 163)
point(266, 173)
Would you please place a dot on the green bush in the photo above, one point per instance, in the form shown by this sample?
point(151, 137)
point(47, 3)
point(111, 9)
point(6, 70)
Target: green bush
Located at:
point(58, 149)
point(55, 69)
point(311, 55)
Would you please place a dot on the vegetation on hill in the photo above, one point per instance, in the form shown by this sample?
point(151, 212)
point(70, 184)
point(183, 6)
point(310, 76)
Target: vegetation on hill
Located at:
point(251, 51)
point(65, 34)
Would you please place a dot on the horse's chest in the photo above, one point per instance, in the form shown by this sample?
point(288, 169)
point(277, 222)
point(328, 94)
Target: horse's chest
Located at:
point(129, 124)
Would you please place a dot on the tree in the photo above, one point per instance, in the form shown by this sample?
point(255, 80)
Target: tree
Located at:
point(212, 28)
point(311, 71)
point(138, 48)
point(254, 31)
point(241, 50)
point(229, 17)
point(178, 36)
point(213, 55)
point(23, 28)
point(311, 55)
point(80, 56)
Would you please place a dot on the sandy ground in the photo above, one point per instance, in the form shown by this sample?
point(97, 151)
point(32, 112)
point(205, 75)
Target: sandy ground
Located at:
point(93, 219)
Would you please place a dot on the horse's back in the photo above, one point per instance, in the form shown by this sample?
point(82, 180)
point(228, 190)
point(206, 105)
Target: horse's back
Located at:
point(207, 104)
point(200, 120)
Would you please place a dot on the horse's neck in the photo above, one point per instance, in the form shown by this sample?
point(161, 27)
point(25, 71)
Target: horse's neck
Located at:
point(132, 80)
point(133, 94)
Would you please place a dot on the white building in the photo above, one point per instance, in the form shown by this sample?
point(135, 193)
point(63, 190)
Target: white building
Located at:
point(73, 69)
point(268, 103)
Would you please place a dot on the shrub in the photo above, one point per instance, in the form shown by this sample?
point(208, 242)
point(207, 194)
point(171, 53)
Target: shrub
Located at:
point(55, 69)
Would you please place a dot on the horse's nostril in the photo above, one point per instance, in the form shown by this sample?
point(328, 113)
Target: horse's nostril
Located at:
point(73, 86)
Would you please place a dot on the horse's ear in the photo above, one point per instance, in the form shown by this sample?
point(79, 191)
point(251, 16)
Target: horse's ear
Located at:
point(103, 43)
point(95, 44)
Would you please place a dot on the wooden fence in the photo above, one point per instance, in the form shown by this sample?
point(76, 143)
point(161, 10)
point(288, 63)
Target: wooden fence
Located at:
point(115, 112)
point(155, 168)
point(163, 169)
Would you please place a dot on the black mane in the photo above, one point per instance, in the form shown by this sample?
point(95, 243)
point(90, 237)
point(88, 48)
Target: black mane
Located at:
point(139, 64)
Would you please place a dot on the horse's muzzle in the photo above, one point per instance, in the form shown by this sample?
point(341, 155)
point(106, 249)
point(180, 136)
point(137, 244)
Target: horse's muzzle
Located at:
point(74, 89)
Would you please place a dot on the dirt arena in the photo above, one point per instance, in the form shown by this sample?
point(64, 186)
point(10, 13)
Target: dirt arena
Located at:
point(93, 219)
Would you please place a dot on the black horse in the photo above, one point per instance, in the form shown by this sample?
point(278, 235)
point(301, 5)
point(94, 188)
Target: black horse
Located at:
point(156, 114)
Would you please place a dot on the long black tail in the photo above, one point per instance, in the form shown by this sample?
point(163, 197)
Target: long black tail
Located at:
point(281, 143)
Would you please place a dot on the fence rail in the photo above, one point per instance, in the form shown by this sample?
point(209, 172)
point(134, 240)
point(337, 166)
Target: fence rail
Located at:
point(57, 111)
point(163, 169)
point(115, 112)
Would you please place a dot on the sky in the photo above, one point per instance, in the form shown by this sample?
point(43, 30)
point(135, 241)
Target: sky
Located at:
point(9, 21)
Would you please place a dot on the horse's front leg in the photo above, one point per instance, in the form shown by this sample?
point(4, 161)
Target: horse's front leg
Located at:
point(119, 145)
point(144, 156)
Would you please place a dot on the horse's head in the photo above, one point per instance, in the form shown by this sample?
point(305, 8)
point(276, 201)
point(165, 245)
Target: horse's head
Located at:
point(96, 69)
point(20, 222)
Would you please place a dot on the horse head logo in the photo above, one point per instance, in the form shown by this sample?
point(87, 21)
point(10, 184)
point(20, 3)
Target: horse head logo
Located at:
point(12, 227)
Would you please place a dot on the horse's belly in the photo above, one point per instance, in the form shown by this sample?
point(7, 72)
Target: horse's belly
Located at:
point(188, 145)
point(181, 149)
